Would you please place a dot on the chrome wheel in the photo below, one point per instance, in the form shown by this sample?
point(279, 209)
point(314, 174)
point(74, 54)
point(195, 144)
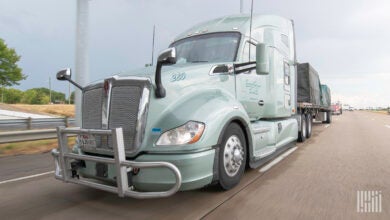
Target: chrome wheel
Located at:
point(233, 155)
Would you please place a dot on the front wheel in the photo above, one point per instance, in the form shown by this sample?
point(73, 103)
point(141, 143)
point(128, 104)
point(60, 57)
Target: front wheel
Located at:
point(232, 157)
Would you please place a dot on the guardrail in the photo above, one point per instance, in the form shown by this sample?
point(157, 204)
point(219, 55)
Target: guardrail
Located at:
point(30, 135)
point(18, 136)
point(30, 123)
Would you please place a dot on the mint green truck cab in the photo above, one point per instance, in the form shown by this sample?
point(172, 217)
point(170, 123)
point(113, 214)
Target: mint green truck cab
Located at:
point(217, 101)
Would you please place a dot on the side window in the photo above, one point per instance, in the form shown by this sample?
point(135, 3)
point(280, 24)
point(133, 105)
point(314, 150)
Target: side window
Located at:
point(245, 54)
point(287, 86)
point(284, 39)
point(286, 74)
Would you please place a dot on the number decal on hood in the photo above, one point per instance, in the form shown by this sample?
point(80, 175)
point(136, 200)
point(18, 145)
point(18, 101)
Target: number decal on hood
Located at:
point(178, 77)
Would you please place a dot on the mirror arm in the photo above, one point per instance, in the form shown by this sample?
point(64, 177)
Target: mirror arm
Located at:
point(244, 67)
point(75, 84)
point(160, 90)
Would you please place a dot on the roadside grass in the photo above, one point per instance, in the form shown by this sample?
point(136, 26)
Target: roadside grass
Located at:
point(55, 109)
point(31, 147)
point(380, 112)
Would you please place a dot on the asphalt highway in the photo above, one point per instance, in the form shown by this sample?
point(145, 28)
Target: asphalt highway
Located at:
point(317, 180)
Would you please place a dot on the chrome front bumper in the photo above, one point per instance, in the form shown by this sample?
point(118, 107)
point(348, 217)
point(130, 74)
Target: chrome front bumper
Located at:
point(62, 157)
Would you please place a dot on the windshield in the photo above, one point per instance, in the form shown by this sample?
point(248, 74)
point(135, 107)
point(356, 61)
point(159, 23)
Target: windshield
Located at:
point(216, 47)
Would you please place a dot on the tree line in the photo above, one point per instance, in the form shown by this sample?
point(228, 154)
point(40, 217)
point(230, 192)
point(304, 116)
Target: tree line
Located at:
point(33, 96)
point(11, 74)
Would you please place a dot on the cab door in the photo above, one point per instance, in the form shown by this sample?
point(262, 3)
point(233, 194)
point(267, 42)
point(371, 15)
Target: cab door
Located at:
point(250, 87)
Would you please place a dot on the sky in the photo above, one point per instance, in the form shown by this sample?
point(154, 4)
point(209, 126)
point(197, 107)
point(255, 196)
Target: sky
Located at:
point(346, 41)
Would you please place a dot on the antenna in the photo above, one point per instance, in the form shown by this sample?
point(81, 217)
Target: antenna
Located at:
point(250, 31)
point(154, 31)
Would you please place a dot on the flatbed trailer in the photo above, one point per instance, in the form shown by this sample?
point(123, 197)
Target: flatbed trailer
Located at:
point(309, 107)
point(309, 112)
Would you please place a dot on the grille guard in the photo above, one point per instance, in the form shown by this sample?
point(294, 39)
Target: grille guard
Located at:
point(63, 170)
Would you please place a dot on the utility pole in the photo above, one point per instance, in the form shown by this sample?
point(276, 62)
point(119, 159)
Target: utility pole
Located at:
point(82, 58)
point(68, 93)
point(49, 90)
point(241, 6)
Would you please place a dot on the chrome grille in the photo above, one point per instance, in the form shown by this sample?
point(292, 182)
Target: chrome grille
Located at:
point(123, 111)
point(92, 112)
point(92, 108)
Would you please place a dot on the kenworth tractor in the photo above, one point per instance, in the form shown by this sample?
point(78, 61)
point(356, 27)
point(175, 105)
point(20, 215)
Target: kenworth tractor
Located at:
point(221, 98)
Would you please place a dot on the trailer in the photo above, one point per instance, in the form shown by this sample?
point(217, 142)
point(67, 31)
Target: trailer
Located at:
point(313, 100)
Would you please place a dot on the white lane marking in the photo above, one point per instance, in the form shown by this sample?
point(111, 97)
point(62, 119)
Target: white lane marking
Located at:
point(277, 160)
point(326, 126)
point(26, 177)
point(22, 114)
point(387, 126)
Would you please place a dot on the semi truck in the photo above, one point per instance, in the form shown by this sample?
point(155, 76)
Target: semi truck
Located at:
point(336, 108)
point(223, 97)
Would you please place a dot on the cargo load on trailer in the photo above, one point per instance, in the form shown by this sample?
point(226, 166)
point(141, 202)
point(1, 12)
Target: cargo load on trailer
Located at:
point(325, 96)
point(309, 89)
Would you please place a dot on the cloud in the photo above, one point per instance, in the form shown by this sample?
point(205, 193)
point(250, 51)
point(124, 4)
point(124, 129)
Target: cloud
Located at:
point(346, 41)
point(369, 17)
point(363, 90)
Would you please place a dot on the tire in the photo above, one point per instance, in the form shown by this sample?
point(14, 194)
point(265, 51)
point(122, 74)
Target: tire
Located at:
point(302, 132)
point(309, 123)
point(232, 157)
point(328, 119)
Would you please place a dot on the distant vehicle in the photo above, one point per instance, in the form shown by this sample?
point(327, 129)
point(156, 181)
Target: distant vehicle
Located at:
point(345, 107)
point(336, 109)
point(226, 101)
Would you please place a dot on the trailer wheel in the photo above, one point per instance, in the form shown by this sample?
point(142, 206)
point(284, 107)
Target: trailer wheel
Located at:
point(232, 157)
point(309, 121)
point(329, 120)
point(328, 116)
point(302, 132)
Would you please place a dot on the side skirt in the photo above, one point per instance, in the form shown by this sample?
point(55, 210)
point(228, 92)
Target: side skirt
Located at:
point(262, 161)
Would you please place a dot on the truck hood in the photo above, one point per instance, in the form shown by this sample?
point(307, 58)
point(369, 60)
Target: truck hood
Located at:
point(167, 71)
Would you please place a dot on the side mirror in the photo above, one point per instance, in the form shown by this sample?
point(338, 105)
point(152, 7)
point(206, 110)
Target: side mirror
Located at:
point(168, 56)
point(64, 74)
point(262, 59)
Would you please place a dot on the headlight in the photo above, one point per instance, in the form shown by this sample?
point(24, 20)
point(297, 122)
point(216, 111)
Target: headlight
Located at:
point(188, 133)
